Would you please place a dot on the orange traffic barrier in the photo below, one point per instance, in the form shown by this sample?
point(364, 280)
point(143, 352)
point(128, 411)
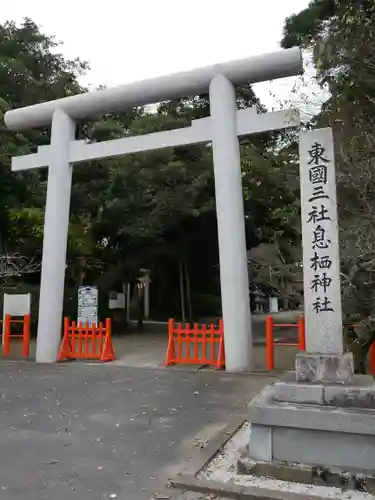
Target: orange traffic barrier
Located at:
point(271, 344)
point(87, 342)
point(24, 336)
point(199, 345)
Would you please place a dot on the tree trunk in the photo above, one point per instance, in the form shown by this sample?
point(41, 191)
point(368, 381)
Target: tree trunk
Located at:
point(140, 296)
point(188, 291)
point(182, 294)
point(128, 292)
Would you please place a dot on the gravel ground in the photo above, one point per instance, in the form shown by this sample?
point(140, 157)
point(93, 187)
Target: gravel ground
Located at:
point(223, 469)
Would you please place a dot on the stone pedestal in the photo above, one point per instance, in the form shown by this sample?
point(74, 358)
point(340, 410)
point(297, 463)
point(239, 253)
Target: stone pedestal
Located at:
point(321, 415)
point(325, 368)
point(316, 423)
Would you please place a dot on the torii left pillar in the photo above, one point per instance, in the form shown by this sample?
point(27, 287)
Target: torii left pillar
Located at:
point(55, 239)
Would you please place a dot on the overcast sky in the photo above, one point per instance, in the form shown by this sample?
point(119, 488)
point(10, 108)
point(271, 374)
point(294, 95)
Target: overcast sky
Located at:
point(129, 40)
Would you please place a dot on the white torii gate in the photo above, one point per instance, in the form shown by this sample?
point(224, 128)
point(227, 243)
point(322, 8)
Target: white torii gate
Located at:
point(223, 127)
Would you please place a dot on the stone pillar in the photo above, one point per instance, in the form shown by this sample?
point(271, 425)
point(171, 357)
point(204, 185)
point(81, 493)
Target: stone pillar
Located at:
point(324, 359)
point(55, 239)
point(321, 414)
point(231, 225)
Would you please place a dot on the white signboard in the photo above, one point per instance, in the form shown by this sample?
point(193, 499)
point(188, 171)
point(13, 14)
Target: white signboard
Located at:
point(87, 305)
point(321, 260)
point(273, 304)
point(116, 300)
point(16, 304)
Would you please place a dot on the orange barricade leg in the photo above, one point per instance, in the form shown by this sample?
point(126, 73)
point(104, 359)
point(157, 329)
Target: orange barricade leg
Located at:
point(210, 339)
point(73, 336)
point(170, 354)
point(301, 334)
point(26, 336)
point(108, 354)
point(6, 344)
point(8, 334)
point(372, 358)
point(270, 355)
point(79, 339)
point(221, 358)
point(93, 341)
point(66, 347)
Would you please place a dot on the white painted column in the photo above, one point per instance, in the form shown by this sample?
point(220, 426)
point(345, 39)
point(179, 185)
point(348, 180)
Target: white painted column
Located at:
point(231, 225)
point(147, 296)
point(128, 298)
point(55, 239)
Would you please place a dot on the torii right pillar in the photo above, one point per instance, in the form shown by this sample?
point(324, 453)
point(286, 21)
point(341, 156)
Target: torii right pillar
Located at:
point(322, 414)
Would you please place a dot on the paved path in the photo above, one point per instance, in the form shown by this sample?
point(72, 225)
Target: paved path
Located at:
point(94, 432)
point(147, 348)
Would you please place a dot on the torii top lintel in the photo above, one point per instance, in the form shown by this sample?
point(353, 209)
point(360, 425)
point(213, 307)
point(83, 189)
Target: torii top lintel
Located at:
point(256, 69)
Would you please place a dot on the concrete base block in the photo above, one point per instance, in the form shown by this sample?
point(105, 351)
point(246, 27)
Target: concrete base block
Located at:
point(359, 394)
point(346, 480)
point(326, 448)
point(316, 434)
point(289, 392)
point(325, 368)
point(261, 443)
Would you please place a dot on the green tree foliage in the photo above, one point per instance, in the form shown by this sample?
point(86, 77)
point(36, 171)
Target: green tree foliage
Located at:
point(154, 209)
point(342, 35)
point(29, 73)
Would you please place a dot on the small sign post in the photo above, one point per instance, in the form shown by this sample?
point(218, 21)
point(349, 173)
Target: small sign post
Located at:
point(87, 305)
